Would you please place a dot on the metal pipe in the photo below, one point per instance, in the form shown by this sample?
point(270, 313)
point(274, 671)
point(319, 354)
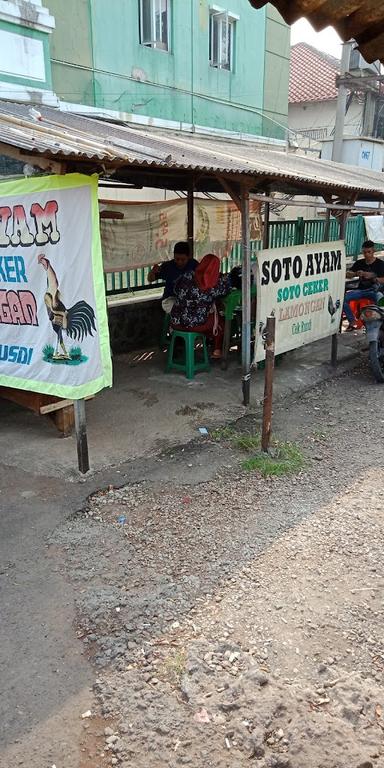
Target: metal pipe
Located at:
point(246, 298)
point(310, 204)
point(335, 336)
point(268, 382)
point(81, 436)
point(190, 221)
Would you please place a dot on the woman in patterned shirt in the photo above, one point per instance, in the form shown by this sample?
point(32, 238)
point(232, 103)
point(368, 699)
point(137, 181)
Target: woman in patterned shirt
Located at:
point(194, 308)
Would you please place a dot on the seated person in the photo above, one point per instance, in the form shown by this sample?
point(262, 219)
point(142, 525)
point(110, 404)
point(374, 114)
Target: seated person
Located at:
point(195, 294)
point(170, 271)
point(370, 271)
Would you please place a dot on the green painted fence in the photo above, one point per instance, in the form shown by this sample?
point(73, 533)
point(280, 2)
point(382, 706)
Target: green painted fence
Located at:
point(281, 234)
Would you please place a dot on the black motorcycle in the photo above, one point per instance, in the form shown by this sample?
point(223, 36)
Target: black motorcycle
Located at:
point(373, 319)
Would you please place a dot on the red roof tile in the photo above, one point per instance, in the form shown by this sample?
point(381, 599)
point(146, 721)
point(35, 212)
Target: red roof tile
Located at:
point(312, 74)
point(360, 20)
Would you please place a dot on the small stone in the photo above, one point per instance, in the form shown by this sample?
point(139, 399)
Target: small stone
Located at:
point(279, 761)
point(86, 714)
point(202, 716)
point(254, 748)
point(258, 677)
point(229, 706)
point(108, 731)
point(162, 730)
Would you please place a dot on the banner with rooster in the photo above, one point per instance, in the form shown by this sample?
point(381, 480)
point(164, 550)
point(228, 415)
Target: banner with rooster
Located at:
point(53, 322)
point(303, 287)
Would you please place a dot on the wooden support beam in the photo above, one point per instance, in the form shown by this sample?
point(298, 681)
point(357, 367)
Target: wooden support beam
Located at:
point(266, 225)
point(63, 420)
point(51, 407)
point(231, 191)
point(327, 224)
point(40, 162)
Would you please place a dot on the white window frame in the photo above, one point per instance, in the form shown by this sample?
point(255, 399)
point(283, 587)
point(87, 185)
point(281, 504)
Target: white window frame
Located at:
point(154, 42)
point(222, 17)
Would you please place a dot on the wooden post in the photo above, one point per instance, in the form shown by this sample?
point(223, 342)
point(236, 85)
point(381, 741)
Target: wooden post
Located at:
point(246, 298)
point(268, 383)
point(81, 436)
point(299, 231)
point(266, 225)
point(327, 225)
point(190, 222)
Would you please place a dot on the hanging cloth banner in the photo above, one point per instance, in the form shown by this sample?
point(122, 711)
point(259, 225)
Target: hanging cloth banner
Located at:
point(303, 287)
point(148, 232)
point(53, 323)
point(374, 227)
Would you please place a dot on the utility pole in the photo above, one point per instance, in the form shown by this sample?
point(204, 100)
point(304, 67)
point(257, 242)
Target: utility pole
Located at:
point(337, 149)
point(369, 113)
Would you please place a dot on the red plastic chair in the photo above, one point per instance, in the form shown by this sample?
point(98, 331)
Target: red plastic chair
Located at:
point(357, 306)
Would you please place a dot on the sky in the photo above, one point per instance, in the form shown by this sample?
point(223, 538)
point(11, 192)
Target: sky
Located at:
point(327, 40)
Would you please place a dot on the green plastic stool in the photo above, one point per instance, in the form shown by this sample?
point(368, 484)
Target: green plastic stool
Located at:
point(188, 366)
point(165, 339)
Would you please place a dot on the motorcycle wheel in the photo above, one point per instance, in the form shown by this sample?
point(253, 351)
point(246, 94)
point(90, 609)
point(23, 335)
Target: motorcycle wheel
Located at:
point(376, 360)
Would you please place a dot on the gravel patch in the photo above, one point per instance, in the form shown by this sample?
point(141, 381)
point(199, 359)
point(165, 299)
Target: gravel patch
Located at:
point(238, 621)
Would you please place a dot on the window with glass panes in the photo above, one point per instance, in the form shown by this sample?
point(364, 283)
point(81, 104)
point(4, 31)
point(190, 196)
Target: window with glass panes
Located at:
point(221, 39)
point(155, 23)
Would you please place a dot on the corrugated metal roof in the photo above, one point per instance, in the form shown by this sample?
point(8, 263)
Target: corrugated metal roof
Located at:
point(312, 74)
point(88, 144)
point(360, 20)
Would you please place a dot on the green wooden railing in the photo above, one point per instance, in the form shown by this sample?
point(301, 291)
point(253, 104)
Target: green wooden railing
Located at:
point(281, 234)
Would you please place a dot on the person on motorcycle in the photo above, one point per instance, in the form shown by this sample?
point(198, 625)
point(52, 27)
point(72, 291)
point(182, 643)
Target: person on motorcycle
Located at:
point(370, 271)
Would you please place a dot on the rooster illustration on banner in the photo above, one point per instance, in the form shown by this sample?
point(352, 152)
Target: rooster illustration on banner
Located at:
point(333, 307)
point(77, 322)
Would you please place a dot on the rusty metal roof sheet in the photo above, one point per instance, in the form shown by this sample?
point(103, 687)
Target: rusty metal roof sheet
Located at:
point(168, 158)
point(360, 20)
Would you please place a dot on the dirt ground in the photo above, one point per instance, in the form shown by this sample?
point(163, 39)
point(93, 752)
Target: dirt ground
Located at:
point(236, 620)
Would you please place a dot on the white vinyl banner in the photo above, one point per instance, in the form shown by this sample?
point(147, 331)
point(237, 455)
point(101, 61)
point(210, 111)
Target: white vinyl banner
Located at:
point(147, 232)
point(53, 323)
point(303, 287)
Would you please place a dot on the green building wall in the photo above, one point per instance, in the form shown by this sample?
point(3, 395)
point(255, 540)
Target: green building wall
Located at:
point(97, 60)
point(276, 73)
